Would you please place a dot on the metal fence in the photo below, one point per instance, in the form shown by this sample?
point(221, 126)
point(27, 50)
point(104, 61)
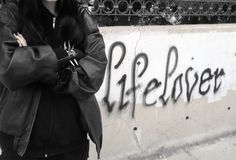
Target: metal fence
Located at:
point(159, 7)
point(164, 11)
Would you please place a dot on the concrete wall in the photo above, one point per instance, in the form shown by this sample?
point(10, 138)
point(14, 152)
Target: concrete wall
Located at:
point(166, 86)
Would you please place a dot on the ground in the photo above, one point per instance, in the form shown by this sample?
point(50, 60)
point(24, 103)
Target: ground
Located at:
point(219, 148)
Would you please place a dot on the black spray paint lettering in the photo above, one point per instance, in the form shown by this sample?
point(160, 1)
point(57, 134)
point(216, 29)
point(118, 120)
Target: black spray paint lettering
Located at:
point(217, 76)
point(110, 105)
point(169, 74)
point(122, 82)
point(190, 89)
point(205, 77)
point(151, 86)
point(135, 62)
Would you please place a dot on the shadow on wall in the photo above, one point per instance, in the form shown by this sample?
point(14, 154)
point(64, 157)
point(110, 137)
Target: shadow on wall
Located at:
point(159, 20)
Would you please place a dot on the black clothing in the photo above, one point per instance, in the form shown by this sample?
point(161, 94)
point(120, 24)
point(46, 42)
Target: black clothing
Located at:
point(23, 71)
point(58, 125)
point(57, 128)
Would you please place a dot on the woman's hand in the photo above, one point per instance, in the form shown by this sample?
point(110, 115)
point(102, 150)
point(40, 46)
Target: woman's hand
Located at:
point(20, 40)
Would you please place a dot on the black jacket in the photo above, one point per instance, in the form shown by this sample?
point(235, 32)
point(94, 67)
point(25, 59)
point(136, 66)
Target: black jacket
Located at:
point(21, 68)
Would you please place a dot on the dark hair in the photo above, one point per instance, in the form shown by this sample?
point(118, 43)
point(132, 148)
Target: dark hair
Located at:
point(30, 21)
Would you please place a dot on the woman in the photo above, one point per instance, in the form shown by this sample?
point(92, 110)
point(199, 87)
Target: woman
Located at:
point(52, 62)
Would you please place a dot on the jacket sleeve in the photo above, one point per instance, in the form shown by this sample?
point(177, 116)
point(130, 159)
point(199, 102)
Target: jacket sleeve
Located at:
point(20, 66)
point(89, 76)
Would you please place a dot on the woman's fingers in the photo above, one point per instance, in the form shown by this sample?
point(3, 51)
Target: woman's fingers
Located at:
point(20, 40)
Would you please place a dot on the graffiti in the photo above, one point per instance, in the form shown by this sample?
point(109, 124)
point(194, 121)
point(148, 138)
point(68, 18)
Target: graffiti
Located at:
point(177, 86)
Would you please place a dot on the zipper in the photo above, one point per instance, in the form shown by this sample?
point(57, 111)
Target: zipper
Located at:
point(54, 22)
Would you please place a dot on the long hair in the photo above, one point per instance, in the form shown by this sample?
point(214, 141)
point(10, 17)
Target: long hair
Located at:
point(30, 21)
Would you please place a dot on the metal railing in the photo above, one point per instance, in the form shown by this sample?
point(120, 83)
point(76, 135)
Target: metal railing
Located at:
point(159, 7)
point(172, 11)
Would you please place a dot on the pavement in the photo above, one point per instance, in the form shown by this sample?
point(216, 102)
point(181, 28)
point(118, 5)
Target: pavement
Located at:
point(220, 148)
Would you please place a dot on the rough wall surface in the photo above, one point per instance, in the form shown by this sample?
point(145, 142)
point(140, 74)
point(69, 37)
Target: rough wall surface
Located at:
point(166, 87)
